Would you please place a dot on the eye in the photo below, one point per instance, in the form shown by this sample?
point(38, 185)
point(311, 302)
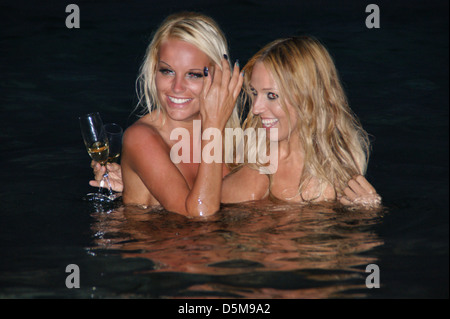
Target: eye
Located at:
point(272, 96)
point(194, 75)
point(253, 92)
point(166, 71)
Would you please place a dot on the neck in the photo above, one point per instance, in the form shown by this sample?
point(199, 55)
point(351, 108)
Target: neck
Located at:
point(190, 125)
point(186, 134)
point(290, 149)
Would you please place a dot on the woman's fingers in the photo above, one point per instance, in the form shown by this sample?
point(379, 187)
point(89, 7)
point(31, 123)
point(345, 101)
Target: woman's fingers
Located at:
point(361, 186)
point(356, 187)
point(217, 76)
point(207, 82)
point(222, 79)
point(226, 71)
point(220, 91)
point(360, 193)
point(345, 201)
point(351, 195)
point(235, 78)
point(115, 176)
point(365, 184)
point(236, 81)
point(95, 183)
point(213, 79)
point(98, 170)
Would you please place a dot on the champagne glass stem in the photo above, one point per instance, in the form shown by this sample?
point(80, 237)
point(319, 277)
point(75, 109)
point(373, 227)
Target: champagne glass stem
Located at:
point(106, 177)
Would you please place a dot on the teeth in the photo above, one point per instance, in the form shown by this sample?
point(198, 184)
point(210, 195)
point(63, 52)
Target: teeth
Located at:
point(178, 101)
point(267, 122)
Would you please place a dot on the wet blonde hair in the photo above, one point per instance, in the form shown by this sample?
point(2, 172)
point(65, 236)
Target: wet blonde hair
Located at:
point(336, 146)
point(194, 28)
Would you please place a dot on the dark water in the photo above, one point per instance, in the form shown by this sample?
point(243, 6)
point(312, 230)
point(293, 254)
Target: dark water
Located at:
point(396, 78)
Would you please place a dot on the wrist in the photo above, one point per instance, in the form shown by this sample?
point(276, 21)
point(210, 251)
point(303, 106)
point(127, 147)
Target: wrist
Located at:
point(209, 124)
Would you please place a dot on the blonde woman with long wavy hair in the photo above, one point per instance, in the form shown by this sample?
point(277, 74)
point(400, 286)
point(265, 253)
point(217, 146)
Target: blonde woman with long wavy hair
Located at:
point(292, 85)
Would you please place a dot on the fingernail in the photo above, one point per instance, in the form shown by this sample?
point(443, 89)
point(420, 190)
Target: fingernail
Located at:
point(205, 71)
point(225, 57)
point(242, 73)
point(237, 62)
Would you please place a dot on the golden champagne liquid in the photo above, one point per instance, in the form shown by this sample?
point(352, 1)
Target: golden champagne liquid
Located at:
point(99, 152)
point(113, 158)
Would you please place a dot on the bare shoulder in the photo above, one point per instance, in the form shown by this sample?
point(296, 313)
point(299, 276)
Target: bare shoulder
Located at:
point(244, 184)
point(143, 138)
point(145, 154)
point(141, 131)
point(145, 161)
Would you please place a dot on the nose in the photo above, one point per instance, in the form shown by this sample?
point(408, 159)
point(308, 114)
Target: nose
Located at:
point(258, 106)
point(178, 84)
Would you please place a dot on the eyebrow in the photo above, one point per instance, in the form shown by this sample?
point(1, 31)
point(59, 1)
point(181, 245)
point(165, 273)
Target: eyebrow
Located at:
point(194, 69)
point(161, 61)
point(263, 89)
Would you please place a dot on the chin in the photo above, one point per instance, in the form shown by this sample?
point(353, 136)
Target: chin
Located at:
point(183, 115)
point(279, 138)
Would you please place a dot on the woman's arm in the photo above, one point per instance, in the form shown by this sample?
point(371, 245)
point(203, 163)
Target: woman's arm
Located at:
point(246, 184)
point(149, 175)
point(218, 101)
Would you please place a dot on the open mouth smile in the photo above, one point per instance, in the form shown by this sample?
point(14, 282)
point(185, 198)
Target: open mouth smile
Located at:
point(268, 123)
point(178, 100)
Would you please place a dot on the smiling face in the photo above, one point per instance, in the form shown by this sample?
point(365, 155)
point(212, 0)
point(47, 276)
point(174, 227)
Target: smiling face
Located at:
point(267, 103)
point(179, 79)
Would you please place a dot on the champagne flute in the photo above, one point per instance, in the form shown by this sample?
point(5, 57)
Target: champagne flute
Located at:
point(114, 133)
point(97, 145)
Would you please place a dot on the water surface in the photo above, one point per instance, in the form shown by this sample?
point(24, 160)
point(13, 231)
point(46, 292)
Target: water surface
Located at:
point(396, 78)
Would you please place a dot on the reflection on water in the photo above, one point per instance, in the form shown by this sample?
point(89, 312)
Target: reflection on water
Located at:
point(292, 251)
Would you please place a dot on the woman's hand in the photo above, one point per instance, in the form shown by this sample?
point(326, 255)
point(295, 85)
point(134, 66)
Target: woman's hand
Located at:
point(219, 95)
point(114, 173)
point(360, 193)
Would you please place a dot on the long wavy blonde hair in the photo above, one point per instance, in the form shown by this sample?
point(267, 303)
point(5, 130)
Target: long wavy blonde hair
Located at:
point(336, 146)
point(191, 27)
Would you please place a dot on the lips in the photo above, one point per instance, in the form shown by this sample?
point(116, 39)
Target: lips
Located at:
point(178, 101)
point(268, 123)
